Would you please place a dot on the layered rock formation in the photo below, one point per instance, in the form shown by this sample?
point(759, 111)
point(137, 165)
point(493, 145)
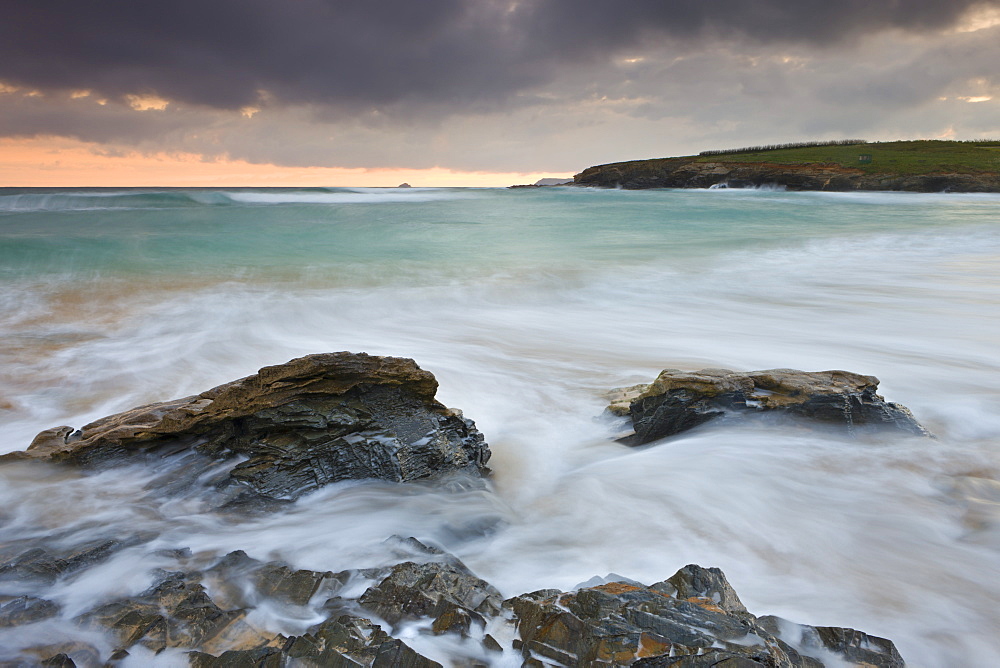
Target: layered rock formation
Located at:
point(693, 173)
point(312, 421)
point(694, 618)
point(677, 401)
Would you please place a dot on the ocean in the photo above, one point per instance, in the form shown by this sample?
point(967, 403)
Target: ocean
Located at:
point(528, 305)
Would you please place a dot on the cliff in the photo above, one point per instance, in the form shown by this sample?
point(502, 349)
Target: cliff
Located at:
point(925, 166)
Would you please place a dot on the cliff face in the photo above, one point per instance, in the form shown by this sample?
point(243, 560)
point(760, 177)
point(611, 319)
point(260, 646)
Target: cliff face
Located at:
point(688, 173)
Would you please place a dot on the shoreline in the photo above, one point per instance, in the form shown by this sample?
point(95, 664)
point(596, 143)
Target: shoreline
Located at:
point(688, 173)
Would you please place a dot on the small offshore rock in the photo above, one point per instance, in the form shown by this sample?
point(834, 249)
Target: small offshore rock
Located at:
point(677, 401)
point(300, 425)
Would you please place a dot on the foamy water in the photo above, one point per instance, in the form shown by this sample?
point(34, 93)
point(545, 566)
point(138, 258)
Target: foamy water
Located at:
point(527, 306)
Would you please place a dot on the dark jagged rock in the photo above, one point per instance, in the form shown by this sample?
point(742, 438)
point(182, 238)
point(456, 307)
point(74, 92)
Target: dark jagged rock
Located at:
point(853, 646)
point(25, 610)
point(59, 661)
point(263, 657)
point(177, 612)
point(64, 654)
point(693, 619)
point(693, 582)
point(241, 581)
point(301, 425)
point(713, 658)
point(448, 593)
point(344, 642)
point(46, 565)
point(677, 401)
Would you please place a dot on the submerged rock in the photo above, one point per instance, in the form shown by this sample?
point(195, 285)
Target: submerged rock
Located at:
point(677, 401)
point(854, 647)
point(692, 619)
point(301, 425)
point(46, 565)
point(239, 580)
point(25, 610)
point(448, 593)
point(177, 612)
point(344, 642)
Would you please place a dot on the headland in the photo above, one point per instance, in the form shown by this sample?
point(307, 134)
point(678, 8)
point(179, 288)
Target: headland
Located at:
point(916, 166)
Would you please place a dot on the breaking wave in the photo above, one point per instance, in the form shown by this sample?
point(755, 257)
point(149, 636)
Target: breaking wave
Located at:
point(90, 200)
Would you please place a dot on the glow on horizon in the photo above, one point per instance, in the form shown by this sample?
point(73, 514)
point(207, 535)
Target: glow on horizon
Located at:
point(55, 162)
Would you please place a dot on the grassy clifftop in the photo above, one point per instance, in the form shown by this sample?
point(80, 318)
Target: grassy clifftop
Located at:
point(897, 157)
point(925, 166)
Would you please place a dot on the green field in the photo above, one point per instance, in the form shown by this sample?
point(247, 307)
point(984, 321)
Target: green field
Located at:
point(898, 157)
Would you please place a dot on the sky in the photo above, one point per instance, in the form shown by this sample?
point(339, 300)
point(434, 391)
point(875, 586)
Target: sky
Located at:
point(469, 92)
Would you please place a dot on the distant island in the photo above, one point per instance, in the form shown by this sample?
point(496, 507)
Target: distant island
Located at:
point(843, 165)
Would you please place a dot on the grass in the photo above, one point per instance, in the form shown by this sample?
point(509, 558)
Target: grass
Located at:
point(898, 157)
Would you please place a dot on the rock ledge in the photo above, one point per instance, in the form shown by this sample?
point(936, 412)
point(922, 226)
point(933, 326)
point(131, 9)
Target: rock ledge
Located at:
point(300, 425)
point(677, 401)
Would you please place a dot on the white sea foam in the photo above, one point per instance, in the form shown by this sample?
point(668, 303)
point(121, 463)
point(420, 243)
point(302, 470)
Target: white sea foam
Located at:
point(352, 196)
point(526, 318)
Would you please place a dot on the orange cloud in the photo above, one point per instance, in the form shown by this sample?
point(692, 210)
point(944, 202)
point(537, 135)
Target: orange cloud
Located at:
point(58, 162)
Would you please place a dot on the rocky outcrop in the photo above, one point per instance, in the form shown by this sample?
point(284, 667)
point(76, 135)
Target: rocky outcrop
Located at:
point(300, 425)
point(692, 172)
point(33, 561)
point(176, 612)
point(344, 642)
point(20, 610)
point(692, 619)
point(447, 593)
point(677, 401)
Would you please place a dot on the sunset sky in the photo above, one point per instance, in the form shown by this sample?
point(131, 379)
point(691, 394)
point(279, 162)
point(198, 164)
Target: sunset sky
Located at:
point(469, 92)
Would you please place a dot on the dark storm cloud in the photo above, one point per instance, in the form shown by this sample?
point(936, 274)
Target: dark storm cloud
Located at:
point(820, 22)
point(361, 54)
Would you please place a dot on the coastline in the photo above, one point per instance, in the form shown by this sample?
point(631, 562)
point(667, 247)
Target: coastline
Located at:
point(689, 173)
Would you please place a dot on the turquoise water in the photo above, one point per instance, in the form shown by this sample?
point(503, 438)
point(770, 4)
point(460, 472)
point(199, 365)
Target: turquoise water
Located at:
point(528, 305)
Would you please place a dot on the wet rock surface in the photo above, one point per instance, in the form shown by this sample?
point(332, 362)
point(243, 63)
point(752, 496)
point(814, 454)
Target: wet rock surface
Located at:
point(344, 642)
point(694, 618)
point(48, 564)
point(620, 624)
point(323, 418)
point(25, 610)
point(298, 426)
point(448, 593)
point(177, 612)
point(677, 401)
